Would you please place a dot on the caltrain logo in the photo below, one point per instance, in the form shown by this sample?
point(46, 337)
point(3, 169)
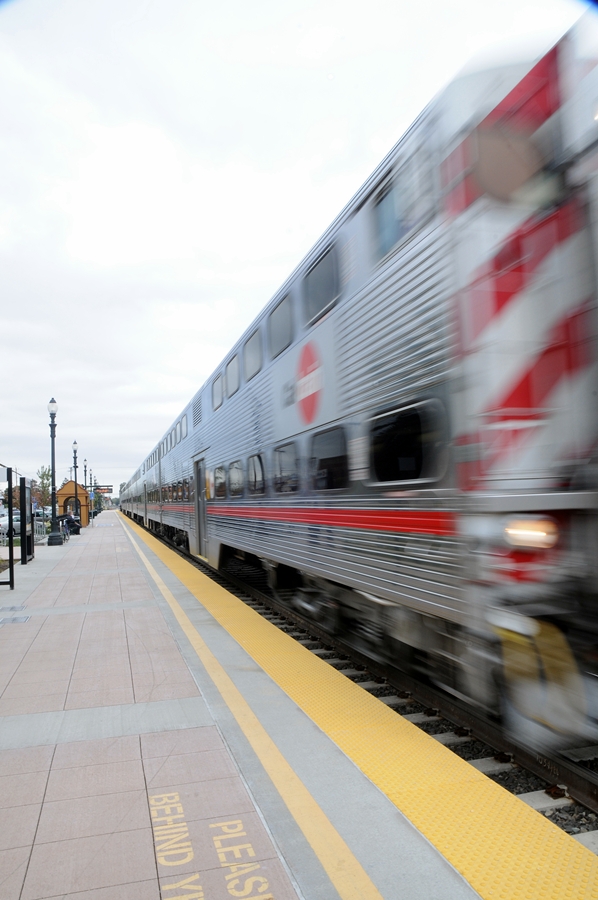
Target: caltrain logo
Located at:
point(309, 382)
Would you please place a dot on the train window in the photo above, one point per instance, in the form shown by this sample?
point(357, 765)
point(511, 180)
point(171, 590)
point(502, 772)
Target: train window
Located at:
point(192, 490)
point(389, 220)
point(329, 462)
point(321, 286)
point(179, 494)
point(173, 437)
point(184, 426)
point(405, 203)
point(409, 444)
point(256, 483)
point(286, 474)
point(232, 376)
point(185, 488)
point(235, 478)
point(280, 326)
point(178, 432)
point(220, 481)
point(217, 392)
point(252, 355)
point(164, 494)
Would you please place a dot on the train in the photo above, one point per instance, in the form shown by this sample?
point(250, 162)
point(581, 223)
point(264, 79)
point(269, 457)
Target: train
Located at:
point(406, 438)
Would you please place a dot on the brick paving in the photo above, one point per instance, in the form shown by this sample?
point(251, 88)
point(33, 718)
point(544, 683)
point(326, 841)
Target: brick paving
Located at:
point(152, 806)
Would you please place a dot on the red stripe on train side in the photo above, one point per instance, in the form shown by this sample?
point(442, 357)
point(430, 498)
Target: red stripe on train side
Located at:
point(400, 521)
point(533, 100)
point(567, 350)
point(514, 267)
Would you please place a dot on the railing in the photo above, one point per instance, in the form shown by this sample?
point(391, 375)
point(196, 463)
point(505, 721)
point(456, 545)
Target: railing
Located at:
point(39, 531)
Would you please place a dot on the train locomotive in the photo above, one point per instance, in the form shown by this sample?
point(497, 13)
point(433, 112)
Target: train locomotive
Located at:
point(405, 439)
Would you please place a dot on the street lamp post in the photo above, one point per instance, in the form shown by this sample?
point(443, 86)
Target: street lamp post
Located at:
point(55, 537)
point(85, 481)
point(77, 513)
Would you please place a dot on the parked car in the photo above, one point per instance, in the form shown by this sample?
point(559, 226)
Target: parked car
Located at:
point(16, 525)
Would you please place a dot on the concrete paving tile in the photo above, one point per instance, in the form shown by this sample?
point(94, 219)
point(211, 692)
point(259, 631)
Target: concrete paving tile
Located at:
point(98, 752)
point(22, 790)
point(91, 699)
point(64, 820)
point(84, 683)
point(17, 689)
point(162, 771)
point(141, 890)
point(47, 660)
point(213, 844)
point(116, 659)
point(89, 781)
point(178, 675)
point(13, 865)
point(20, 706)
point(25, 675)
point(11, 656)
point(97, 596)
point(98, 651)
point(224, 797)
point(159, 668)
point(27, 759)
point(20, 827)
point(89, 863)
point(188, 740)
point(270, 880)
point(91, 669)
point(166, 692)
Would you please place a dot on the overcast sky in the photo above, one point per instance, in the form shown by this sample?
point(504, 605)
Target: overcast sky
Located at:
point(165, 164)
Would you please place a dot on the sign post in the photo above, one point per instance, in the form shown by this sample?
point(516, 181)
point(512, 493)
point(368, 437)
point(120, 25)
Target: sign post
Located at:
point(6, 475)
point(27, 541)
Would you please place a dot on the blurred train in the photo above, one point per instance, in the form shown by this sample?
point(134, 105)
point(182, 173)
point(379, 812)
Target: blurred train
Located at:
point(406, 437)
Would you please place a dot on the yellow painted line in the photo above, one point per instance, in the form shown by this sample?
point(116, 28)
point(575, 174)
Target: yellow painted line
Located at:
point(502, 847)
point(343, 869)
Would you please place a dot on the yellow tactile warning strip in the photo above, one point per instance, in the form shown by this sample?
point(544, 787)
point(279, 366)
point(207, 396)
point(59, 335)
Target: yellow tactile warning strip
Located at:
point(343, 869)
point(502, 847)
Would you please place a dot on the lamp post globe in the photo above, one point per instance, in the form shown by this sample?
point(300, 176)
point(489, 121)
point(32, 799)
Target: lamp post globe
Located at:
point(75, 446)
point(55, 537)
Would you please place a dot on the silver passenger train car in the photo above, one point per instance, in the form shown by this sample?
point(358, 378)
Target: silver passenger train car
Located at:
point(406, 435)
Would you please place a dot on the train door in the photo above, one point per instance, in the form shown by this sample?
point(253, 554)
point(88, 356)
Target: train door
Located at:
point(145, 504)
point(160, 492)
point(200, 511)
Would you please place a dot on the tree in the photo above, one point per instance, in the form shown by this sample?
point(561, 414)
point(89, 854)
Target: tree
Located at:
point(16, 495)
point(43, 486)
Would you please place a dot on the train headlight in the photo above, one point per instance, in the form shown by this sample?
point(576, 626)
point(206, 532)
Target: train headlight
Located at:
point(531, 534)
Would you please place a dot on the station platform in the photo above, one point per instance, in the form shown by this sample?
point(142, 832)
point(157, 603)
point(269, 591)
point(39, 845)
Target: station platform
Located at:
point(160, 740)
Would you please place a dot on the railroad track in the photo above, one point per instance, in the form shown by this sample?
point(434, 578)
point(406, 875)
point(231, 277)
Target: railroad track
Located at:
point(563, 788)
